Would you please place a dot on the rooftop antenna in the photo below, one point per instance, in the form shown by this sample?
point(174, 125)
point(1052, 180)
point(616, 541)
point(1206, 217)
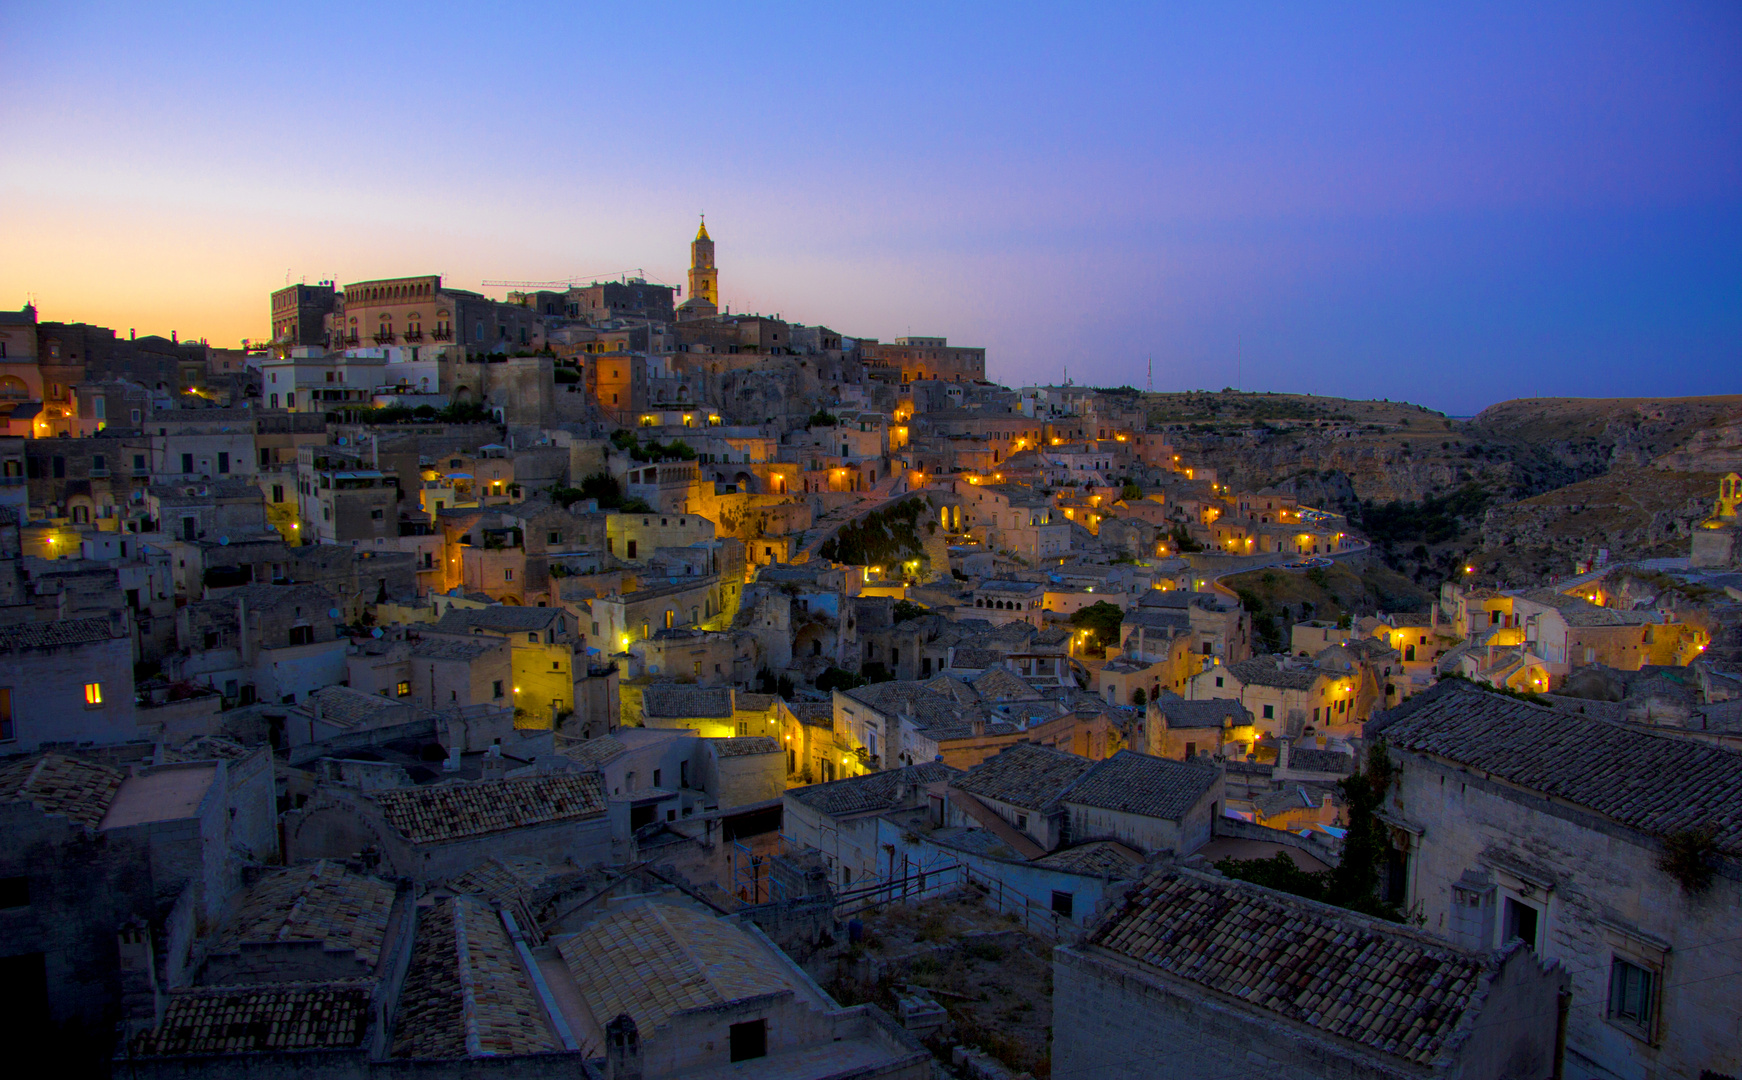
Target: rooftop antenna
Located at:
point(1150, 385)
point(1239, 359)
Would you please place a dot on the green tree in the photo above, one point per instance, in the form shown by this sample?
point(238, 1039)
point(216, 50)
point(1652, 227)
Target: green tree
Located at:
point(822, 418)
point(907, 609)
point(1130, 492)
point(1102, 620)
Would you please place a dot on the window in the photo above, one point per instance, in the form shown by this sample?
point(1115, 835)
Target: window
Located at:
point(1022, 821)
point(7, 731)
point(749, 1040)
point(1520, 922)
point(93, 694)
point(1061, 903)
point(1218, 680)
point(223, 462)
point(555, 537)
point(403, 689)
point(302, 635)
point(375, 515)
point(187, 464)
point(496, 689)
point(138, 463)
point(1270, 712)
point(630, 551)
point(1632, 996)
point(656, 773)
point(507, 573)
point(14, 892)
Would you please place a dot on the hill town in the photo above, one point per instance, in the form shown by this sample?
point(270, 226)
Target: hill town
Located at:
point(601, 682)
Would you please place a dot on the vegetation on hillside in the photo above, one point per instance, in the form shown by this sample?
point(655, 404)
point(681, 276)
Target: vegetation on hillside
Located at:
point(881, 538)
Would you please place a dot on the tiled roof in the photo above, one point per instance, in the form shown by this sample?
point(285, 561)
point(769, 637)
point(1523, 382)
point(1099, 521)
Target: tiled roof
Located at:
point(998, 684)
point(466, 994)
point(813, 713)
point(1577, 611)
point(259, 1019)
point(909, 698)
point(753, 702)
point(319, 901)
point(447, 648)
point(1273, 803)
point(343, 707)
point(654, 960)
point(1107, 858)
point(1134, 783)
point(1202, 712)
point(1312, 759)
point(501, 618)
point(56, 784)
point(953, 688)
point(974, 659)
point(49, 635)
point(595, 751)
point(1660, 784)
point(873, 791)
point(1346, 975)
point(1024, 775)
point(443, 812)
point(1264, 671)
point(505, 879)
point(745, 745)
point(679, 701)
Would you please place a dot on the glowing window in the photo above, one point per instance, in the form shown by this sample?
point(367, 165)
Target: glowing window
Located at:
point(93, 693)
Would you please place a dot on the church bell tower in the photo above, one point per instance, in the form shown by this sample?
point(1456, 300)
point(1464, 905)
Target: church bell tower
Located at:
point(704, 298)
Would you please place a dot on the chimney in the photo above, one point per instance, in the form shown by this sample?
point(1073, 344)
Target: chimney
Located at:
point(1282, 756)
point(979, 726)
point(494, 765)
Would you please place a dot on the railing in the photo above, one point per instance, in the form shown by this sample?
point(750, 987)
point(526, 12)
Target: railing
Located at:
point(439, 334)
point(349, 339)
point(414, 335)
point(915, 885)
point(1033, 917)
point(383, 339)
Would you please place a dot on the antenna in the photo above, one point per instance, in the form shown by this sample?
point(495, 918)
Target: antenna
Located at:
point(1150, 385)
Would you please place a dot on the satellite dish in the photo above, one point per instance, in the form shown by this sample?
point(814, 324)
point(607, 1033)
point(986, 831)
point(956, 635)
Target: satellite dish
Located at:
point(375, 633)
point(332, 613)
point(223, 541)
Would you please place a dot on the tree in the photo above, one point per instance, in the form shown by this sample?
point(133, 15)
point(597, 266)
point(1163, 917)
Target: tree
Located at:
point(822, 418)
point(1139, 698)
point(1182, 540)
point(1130, 492)
point(907, 609)
point(838, 679)
point(1102, 620)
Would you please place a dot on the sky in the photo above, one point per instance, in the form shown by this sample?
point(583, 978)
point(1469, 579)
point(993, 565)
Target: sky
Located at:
point(1448, 204)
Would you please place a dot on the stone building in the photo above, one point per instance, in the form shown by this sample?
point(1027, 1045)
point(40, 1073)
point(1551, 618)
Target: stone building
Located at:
point(1510, 820)
point(299, 314)
point(437, 832)
point(68, 682)
point(1196, 975)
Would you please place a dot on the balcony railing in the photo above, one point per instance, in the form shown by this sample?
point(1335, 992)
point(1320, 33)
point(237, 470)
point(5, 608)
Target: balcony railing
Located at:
point(414, 335)
point(383, 338)
point(441, 334)
point(349, 339)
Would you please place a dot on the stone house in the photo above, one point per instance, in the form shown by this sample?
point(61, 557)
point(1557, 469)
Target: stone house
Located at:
point(106, 875)
point(1283, 694)
point(1182, 730)
point(67, 682)
point(1511, 820)
point(436, 832)
point(840, 818)
point(274, 643)
point(547, 657)
point(1199, 975)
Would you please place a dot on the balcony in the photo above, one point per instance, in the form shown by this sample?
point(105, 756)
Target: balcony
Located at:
point(441, 333)
point(384, 338)
point(414, 335)
point(349, 339)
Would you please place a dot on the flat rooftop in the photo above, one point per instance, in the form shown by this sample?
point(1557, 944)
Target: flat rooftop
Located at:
point(170, 794)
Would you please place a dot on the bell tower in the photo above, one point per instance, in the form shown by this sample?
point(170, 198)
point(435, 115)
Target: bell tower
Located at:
point(704, 277)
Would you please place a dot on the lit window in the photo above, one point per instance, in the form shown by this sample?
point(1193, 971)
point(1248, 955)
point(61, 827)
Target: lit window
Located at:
point(93, 693)
point(403, 689)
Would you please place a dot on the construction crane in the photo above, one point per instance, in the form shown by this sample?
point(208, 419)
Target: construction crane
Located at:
point(569, 283)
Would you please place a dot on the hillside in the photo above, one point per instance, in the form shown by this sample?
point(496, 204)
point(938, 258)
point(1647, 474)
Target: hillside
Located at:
point(1521, 482)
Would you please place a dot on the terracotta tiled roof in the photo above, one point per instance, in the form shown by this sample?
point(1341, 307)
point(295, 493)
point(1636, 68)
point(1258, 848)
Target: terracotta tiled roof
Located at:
point(1133, 783)
point(466, 994)
point(1265, 671)
point(1024, 775)
point(447, 648)
point(1357, 978)
point(443, 812)
point(1659, 784)
point(681, 701)
point(873, 791)
point(49, 635)
point(1107, 858)
point(259, 1019)
point(343, 707)
point(998, 684)
point(745, 745)
point(654, 960)
point(1201, 713)
point(319, 901)
point(56, 784)
point(595, 751)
